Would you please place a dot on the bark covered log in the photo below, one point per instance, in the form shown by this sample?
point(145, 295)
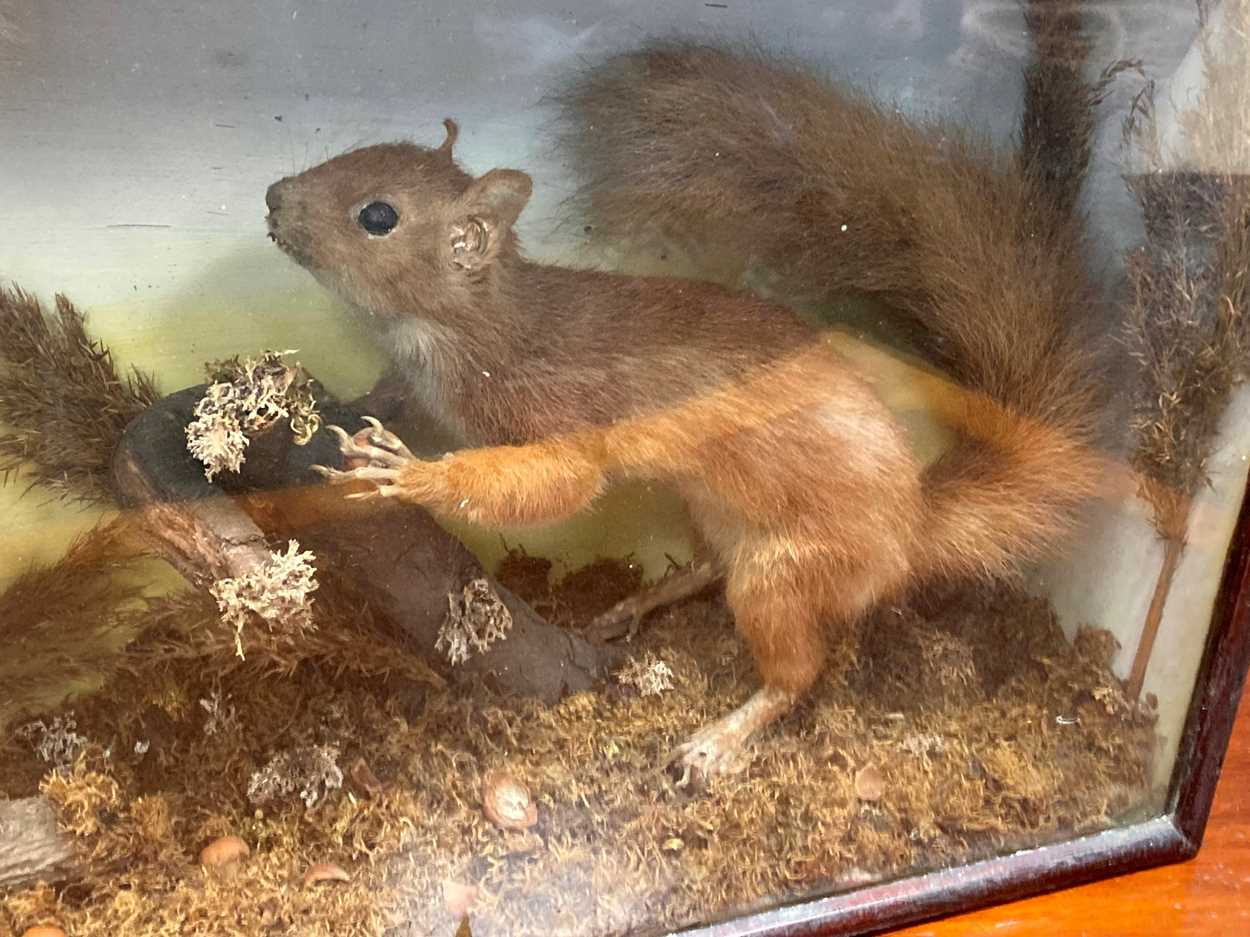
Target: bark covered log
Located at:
point(408, 566)
point(194, 524)
point(396, 555)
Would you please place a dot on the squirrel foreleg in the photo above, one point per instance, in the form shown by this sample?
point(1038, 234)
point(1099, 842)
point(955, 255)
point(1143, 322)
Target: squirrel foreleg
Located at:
point(500, 486)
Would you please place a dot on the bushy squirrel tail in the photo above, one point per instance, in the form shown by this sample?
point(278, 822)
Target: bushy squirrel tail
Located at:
point(833, 192)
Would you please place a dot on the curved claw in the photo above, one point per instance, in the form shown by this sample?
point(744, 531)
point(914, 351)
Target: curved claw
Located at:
point(336, 476)
point(676, 759)
point(720, 748)
point(338, 431)
point(374, 473)
point(383, 438)
point(384, 478)
point(703, 758)
point(347, 445)
point(380, 454)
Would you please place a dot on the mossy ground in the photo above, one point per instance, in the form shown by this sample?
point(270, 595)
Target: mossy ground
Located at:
point(990, 731)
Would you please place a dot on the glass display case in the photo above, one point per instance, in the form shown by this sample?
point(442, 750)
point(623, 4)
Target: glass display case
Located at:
point(509, 469)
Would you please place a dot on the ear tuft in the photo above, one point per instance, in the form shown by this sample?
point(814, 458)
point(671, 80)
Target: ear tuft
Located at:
point(453, 134)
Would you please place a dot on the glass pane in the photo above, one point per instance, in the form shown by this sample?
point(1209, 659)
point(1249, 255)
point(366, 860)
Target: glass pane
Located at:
point(797, 455)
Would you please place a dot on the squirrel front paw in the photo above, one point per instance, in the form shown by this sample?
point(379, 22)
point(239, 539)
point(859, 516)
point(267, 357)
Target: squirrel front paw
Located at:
point(373, 454)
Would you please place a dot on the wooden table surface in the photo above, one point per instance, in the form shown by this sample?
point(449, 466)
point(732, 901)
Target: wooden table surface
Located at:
point(1208, 896)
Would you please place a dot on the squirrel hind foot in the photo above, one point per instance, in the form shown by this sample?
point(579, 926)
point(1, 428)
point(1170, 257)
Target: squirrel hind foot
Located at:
point(719, 748)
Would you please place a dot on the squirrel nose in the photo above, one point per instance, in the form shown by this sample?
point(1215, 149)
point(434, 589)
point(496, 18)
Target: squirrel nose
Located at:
point(273, 196)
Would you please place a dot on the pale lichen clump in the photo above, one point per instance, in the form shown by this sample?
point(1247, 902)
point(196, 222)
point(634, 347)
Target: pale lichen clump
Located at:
point(311, 773)
point(245, 397)
point(649, 675)
point(278, 593)
point(476, 619)
point(57, 743)
point(222, 717)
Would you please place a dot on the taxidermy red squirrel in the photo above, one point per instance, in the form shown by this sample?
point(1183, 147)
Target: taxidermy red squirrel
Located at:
point(557, 381)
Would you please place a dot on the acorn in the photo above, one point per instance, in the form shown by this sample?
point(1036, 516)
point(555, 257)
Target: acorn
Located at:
point(507, 802)
point(223, 851)
point(869, 783)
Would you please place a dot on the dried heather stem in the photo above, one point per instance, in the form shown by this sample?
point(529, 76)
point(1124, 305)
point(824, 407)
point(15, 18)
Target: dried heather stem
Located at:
point(64, 626)
point(62, 402)
point(1188, 328)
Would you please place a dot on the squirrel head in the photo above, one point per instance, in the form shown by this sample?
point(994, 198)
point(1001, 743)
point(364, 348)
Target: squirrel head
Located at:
point(397, 227)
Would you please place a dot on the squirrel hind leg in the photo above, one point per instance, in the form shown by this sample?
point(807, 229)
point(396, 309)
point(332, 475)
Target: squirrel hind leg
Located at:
point(785, 637)
point(783, 616)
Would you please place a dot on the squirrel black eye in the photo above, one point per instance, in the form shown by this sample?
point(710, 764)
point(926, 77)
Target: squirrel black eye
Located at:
point(378, 218)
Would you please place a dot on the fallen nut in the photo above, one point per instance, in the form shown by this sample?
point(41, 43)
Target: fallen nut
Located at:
point(507, 802)
point(43, 930)
point(325, 872)
point(459, 897)
point(869, 783)
point(223, 851)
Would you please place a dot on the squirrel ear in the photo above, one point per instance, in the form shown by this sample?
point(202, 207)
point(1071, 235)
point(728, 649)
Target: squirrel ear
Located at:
point(499, 196)
point(490, 207)
point(453, 131)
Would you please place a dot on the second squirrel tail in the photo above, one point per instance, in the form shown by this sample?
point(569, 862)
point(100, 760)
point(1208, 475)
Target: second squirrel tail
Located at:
point(833, 192)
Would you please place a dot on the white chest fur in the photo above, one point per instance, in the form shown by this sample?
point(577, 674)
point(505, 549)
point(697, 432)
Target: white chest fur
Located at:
point(421, 350)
